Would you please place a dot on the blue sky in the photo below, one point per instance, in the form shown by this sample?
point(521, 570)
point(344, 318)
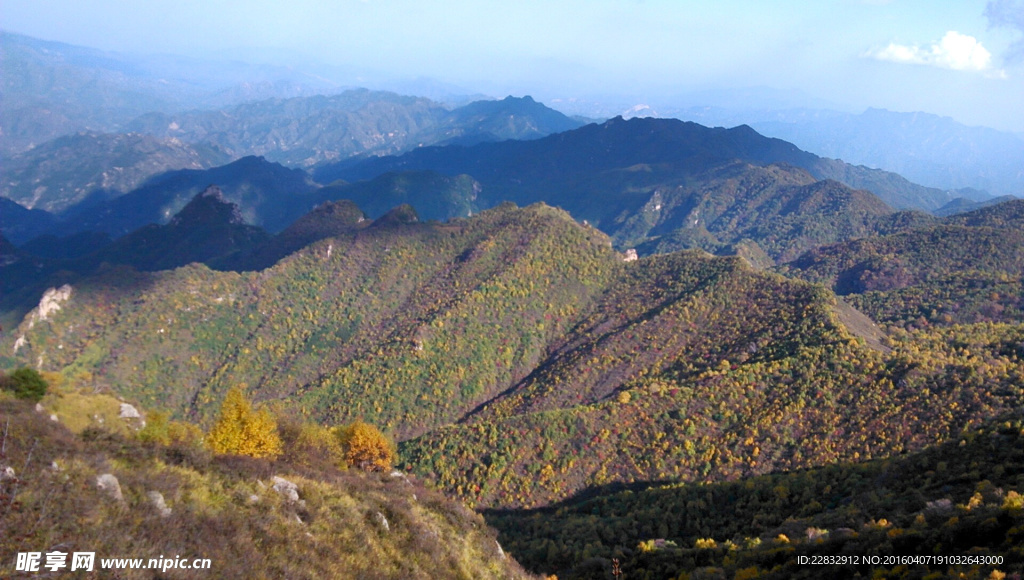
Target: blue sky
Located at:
point(961, 59)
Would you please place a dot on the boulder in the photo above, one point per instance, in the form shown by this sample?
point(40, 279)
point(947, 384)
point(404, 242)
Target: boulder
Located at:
point(129, 412)
point(382, 521)
point(287, 489)
point(108, 483)
point(157, 499)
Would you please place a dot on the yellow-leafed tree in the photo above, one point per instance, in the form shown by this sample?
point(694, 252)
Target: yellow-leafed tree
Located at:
point(242, 431)
point(366, 447)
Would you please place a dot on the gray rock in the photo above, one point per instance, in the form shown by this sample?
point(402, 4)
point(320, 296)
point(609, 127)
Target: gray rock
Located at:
point(6, 472)
point(129, 412)
point(382, 521)
point(108, 483)
point(157, 499)
point(287, 489)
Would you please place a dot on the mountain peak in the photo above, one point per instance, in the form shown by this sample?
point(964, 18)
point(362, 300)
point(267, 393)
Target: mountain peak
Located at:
point(208, 207)
point(403, 214)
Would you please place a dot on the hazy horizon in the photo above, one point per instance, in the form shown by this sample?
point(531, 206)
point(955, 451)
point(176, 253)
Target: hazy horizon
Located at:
point(963, 60)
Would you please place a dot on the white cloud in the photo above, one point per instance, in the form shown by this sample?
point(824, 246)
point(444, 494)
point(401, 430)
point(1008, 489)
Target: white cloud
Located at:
point(955, 52)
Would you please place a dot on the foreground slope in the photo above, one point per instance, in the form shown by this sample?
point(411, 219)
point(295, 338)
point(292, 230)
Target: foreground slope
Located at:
point(342, 524)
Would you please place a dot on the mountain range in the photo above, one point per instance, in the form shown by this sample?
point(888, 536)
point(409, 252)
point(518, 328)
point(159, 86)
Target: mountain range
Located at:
point(525, 323)
point(640, 347)
point(927, 149)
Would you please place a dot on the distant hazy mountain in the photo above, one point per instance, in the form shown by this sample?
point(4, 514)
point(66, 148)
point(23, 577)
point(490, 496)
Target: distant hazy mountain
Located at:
point(50, 89)
point(510, 118)
point(268, 194)
point(607, 173)
point(61, 173)
point(20, 224)
point(927, 149)
point(306, 131)
point(963, 205)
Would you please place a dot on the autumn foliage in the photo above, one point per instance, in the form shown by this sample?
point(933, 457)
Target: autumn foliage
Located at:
point(241, 431)
point(366, 447)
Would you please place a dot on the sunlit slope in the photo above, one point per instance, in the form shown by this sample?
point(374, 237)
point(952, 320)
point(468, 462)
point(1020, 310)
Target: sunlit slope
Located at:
point(521, 360)
point(700, 369)
point(969, 269)
point(407, 325)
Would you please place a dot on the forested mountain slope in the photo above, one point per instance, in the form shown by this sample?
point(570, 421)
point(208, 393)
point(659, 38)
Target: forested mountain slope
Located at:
point(521, 360)
point(969, 268)
point(570, 169)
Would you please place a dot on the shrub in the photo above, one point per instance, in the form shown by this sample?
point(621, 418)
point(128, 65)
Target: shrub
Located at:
point(366, 447)
point(311, 445)
point(25, 383)
point(242, 431)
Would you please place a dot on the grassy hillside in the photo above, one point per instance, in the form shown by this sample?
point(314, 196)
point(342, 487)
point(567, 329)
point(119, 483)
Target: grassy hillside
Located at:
point(344, 524)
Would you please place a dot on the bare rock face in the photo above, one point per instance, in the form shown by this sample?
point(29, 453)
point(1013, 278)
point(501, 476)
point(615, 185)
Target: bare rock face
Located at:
point(287, 489)
point(108, 483)
point(50, 304)
point(630, 256)
point(52, 300)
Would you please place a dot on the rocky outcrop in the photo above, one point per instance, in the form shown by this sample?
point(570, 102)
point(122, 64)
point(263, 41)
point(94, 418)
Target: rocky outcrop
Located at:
point(50, 303)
